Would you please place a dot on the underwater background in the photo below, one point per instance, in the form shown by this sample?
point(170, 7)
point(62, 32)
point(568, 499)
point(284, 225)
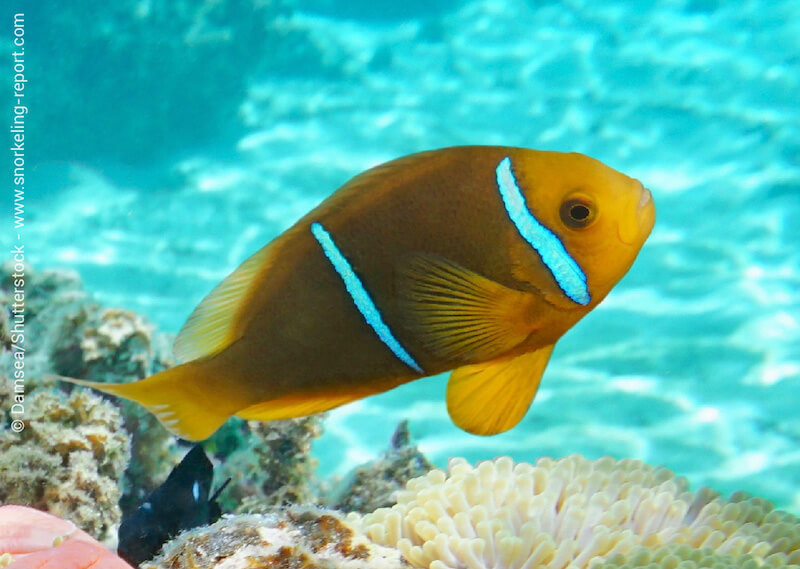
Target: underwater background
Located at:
point(170, 140)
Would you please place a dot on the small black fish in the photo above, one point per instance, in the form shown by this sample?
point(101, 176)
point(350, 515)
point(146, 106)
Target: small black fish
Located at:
point(182, 502)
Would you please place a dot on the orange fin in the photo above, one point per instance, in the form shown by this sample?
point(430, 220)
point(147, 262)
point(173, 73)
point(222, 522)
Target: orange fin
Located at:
point(212, 326)
point(460, 315)
point(178, 397)
point(492, 397)
point(293, 406)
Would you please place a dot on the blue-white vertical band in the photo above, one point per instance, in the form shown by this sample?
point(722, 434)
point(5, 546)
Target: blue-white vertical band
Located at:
point(562, 266)
point(360, 296)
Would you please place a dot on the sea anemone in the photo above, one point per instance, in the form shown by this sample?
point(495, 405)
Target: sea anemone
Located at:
point(686, 557)
point(31, 539)
point(573, 513)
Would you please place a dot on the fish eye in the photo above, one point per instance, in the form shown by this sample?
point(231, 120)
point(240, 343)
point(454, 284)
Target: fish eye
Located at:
point(577, 212)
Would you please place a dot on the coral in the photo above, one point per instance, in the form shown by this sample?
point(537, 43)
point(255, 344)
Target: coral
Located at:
point(30, 538)
point(67, 333)
point(293, 539)
point(275, 468)
point(55, 309)
point(69, 460)
point(571, 512)
point(376, 484)
point(119, 343)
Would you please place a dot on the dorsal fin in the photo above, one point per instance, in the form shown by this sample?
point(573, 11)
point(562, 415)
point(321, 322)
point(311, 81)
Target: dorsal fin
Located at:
point(212, 326)
point(379, 181)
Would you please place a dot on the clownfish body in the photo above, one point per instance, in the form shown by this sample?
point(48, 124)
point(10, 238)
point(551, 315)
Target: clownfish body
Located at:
point(473, 259)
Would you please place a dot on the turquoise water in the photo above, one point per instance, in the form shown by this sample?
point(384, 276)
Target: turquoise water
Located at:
point(693, 361)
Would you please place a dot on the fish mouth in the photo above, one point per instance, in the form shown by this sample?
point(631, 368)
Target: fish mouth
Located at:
point(646, 211)
point(635, 230)
point(645, 197)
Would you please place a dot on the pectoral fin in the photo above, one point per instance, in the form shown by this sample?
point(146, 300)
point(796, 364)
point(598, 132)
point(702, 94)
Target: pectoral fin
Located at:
point(460, 315)
point(491, 398)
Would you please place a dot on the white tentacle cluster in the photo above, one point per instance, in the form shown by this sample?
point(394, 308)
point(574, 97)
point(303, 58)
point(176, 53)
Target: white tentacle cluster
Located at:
point(568, 513)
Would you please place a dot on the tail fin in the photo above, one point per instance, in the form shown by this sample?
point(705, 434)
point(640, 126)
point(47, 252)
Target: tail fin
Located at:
point(183, 398)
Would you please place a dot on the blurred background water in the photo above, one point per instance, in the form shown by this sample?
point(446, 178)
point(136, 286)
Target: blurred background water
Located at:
point(170, 140)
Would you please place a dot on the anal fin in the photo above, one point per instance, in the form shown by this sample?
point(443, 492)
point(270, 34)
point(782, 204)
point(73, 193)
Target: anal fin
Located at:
point(292, 407)
point(301, 405)
point(492, 397)
point(462, 316)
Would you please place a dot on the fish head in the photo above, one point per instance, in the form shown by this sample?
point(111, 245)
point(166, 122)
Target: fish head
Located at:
point(600, 216)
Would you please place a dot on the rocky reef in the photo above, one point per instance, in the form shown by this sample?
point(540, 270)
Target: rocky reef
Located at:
point(376, 484)
point(273, 467)
point(68, 333)
point(292, 538)
point(569, 512)
point(68, 460)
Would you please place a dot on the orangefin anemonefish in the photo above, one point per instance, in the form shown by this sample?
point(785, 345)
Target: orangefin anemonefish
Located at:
point(475, 259)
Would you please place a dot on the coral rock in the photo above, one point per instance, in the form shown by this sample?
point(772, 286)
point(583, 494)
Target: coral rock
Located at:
point(67, 333)
point(56, 307)
point(296, 539)
point(69, 460)
point(119, 344)
point(275, 468)
point(376, 484)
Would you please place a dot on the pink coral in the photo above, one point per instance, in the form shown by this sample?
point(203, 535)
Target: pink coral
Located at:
point(30, 539)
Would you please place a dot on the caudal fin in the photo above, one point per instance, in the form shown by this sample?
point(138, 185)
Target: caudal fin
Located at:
point(183, 398)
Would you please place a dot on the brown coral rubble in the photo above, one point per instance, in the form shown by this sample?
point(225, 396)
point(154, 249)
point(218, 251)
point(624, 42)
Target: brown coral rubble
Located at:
point(296, 539)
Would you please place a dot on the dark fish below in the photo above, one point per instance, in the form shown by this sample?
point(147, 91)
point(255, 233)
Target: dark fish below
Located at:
point(475, 259)
point(182, 502)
